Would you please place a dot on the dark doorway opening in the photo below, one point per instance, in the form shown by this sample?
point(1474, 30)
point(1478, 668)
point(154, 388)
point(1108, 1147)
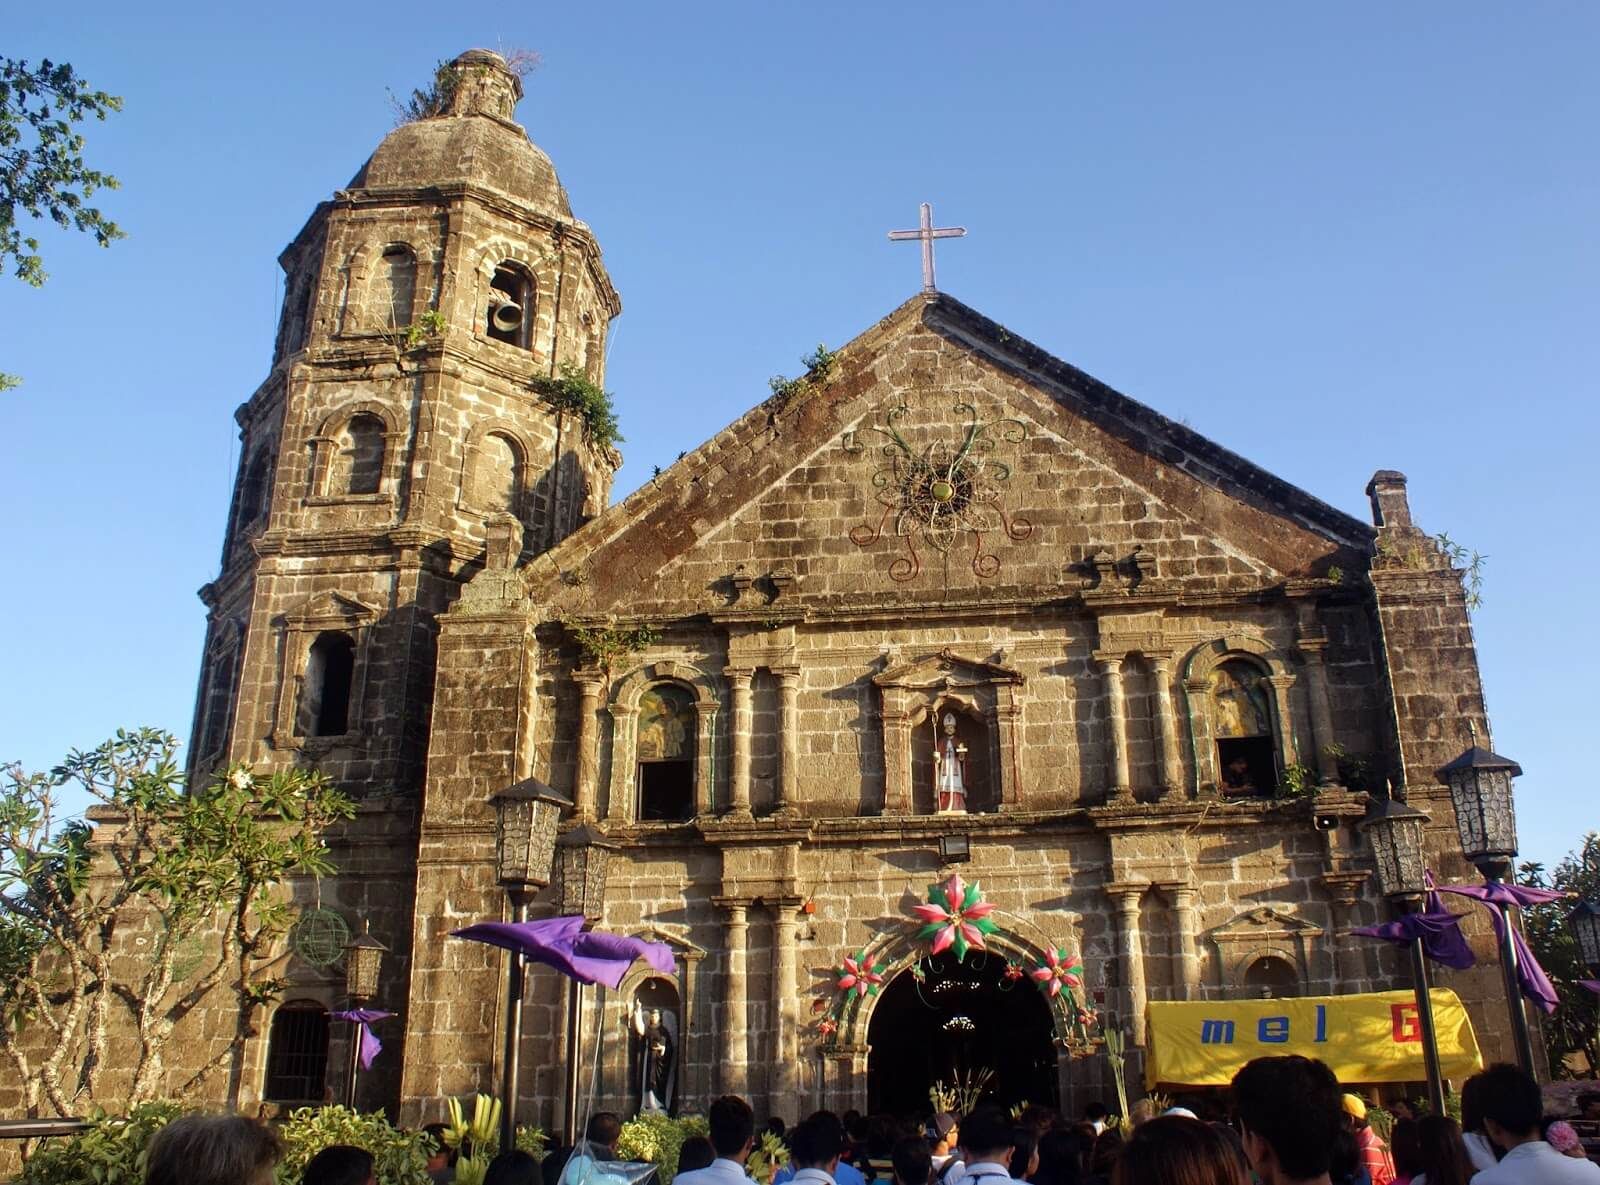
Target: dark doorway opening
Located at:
point(1248, 765)
point(963, 1018)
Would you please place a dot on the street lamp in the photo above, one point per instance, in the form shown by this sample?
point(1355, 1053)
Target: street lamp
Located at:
point(583, 859)
point(526, 817)
point(363, 960)
point(1584, 922)
point(1486, 817)
point(1395, 832)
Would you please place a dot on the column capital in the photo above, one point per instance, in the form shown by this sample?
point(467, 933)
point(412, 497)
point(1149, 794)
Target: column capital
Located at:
point(739, 677)
point(1311, 647)
point(1126, 894)
point(736, 906)
point(783, 905)
point(1281, 682)
point(1110, 661)
point(786, 675)
point(1197, 685)
point(1343, 887)
point(1161, 660)
point(622, 711)
point(589, 680)
point(1181, 892)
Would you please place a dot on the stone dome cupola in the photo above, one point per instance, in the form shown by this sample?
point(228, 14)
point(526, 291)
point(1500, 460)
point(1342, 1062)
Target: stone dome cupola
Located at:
point(484, 85)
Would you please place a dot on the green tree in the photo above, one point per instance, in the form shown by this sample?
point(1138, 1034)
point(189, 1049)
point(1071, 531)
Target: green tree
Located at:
point(42, 170)
point(129, 920)
point(1571, 1029)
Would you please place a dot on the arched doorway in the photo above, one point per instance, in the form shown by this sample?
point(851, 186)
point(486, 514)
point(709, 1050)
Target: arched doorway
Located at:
point(961, 1018)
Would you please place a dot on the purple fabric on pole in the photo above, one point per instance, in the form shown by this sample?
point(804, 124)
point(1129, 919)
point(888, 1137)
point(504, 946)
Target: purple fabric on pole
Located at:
point(1592, 984)
point(361, 1018)
point(1440, 932)
point(562, 943)
point(1535, 984)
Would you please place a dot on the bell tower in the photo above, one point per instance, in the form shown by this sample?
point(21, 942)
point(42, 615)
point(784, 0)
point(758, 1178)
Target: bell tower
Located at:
point(403, 418)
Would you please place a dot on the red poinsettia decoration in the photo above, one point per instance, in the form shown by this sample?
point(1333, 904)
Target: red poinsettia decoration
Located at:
point(827, 1026)
point(859, 976)
point(1058, 971)
point(956, 917)
point(1013, 971)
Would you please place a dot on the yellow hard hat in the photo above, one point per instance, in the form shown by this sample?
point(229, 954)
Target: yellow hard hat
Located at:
point(1354, 1107)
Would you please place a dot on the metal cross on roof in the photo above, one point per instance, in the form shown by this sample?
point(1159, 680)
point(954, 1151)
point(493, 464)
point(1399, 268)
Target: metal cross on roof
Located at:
point(927, 232)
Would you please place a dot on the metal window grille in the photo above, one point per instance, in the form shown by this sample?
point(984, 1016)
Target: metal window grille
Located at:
point(297, 1054)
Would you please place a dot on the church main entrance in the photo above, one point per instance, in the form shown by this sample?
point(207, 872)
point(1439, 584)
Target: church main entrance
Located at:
point(959, 1020)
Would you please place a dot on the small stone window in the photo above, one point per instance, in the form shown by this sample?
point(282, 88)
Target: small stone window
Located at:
point(1241, 724)
point(358, 459)
point(499, 476)
point(397, 286)
point(325, 692)
point(1271, 977)
point(665, 754)
point(297, 1053)
point(253, 492)
point(221, 682)
point(509, 316)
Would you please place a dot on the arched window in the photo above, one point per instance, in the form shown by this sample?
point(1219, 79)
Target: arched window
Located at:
point(253, 491)
point(665, 753)
point(220, 682)
point(499, 474)
point(1270, 977)
point(358, 459)
point(297, 1053)
point(325, 692)
point(510, 312)
point(1241, 724)
point(397, 279)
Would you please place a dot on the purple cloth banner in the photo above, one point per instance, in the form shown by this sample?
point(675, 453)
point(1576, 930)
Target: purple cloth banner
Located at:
point(1535, 984)
point(1592, 984)
point(587, 956)
point(1439, 929)
point(361, 1018)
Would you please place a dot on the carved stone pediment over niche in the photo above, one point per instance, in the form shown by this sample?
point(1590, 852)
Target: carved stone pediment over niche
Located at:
point(984, 693)
point(330, 610)
point(1258, 935)
point(946, 668)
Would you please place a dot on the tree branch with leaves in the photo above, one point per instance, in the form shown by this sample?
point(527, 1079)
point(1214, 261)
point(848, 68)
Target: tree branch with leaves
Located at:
point(130, 921)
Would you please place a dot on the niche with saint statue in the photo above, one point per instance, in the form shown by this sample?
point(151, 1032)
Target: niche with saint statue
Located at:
point(951, 762)
point(655, 1046)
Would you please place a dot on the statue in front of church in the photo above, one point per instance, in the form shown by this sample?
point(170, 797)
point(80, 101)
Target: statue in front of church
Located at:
point(949, 769)
point(657, 1056)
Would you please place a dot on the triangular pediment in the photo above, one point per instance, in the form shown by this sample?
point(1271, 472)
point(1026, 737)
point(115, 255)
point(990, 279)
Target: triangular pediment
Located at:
point(945, 668)
point(1265, 921)
point(943, 459)
point(330, 609)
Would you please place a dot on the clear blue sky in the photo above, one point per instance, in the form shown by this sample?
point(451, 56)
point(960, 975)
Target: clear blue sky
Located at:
point(1336, 238)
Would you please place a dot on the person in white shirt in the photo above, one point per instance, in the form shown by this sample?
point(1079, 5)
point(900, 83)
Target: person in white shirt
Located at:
point(1095, 1115)
point(814, 1148)
point(1512, 1107)
point(733, 1135)
point(986, 1147)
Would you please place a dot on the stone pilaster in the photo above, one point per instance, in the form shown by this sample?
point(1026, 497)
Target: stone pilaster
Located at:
point(1311, 649)
point(1125, 897)
point(621, 806)
point(586, 791)
point(1117, 722)
point(783, 1087)
point(1343, 889)
point(1183, 898)
point(1166, 725)
point(739, 734)
point(1288, 752)
point(734, 1053)
point(788, 737)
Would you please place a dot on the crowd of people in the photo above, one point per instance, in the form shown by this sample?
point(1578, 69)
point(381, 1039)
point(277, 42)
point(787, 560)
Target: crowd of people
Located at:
point(1287, 1122)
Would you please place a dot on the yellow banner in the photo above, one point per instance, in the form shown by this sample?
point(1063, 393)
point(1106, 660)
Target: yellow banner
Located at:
point(1373, 1037)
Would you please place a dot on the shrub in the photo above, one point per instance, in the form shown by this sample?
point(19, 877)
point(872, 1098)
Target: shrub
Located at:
point(111, 1152)
point(400, 1156)
point(658, 1138)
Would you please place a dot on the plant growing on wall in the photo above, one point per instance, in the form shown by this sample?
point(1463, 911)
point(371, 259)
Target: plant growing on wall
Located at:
point(819, 366)
point(573, 392)
point(602, 646)
point(198, 873)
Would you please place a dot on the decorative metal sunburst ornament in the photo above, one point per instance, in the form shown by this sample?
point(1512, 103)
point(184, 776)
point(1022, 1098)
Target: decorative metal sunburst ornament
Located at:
point(943, 493)
point(319, 937)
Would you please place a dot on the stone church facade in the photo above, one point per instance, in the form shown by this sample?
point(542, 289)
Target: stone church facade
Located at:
point(1140, 640)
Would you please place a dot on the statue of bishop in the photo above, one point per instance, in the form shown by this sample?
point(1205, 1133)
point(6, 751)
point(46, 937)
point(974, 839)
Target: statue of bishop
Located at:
point(949, 770)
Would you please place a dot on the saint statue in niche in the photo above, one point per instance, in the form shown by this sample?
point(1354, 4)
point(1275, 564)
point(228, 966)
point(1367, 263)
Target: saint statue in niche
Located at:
point(949, 769)
point(656, 1033)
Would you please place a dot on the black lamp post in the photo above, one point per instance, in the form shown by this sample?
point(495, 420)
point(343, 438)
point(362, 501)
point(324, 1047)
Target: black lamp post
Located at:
point(1395, 832)
point(526, 817)
point(1486, 817)
point(363, 961)
point(583, 859)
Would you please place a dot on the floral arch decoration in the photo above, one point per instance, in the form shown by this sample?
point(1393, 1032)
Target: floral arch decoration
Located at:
point(957, 919)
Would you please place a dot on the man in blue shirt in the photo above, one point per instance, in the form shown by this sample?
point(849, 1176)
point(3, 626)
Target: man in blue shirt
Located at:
point(844, 1173)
